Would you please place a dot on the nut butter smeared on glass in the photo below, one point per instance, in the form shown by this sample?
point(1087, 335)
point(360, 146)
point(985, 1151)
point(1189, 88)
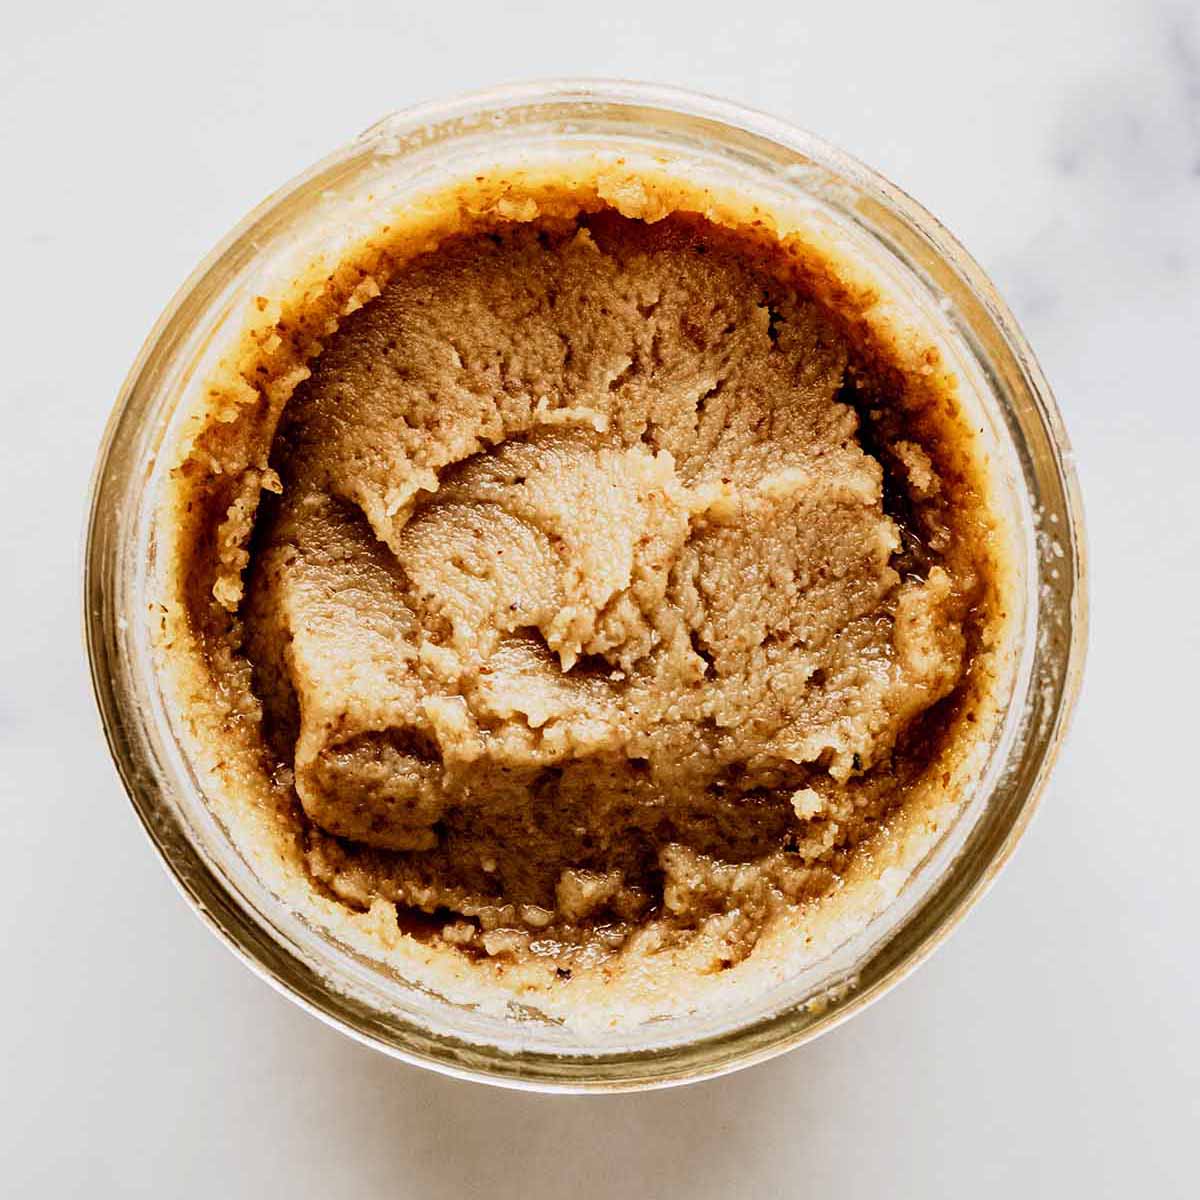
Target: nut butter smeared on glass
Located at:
point(584, 588)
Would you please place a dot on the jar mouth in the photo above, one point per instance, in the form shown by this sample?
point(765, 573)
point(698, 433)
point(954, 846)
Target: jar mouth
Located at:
point(165, 786)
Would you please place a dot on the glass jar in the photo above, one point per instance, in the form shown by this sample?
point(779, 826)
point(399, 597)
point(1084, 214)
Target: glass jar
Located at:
point(344, 197)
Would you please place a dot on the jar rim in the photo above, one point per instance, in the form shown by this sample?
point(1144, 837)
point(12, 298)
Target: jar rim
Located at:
point(147, 776)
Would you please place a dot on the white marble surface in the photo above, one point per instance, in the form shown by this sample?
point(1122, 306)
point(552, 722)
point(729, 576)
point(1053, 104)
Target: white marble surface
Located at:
point(1051, 1048)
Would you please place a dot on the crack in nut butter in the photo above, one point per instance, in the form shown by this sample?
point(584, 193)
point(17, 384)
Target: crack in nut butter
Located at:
point(582, 592)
